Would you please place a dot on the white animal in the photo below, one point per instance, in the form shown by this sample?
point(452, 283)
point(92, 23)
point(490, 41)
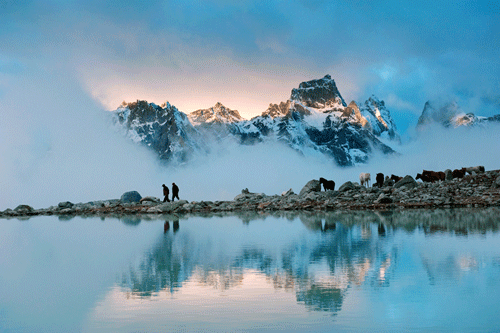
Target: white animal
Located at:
point(364, 179)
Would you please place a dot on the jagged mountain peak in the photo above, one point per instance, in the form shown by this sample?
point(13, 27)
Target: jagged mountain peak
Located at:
point(278, 110)
point(439, 112)
point(320, 93)
point(315, 120)
point(450, 114)
point(375, 115)
point(216, 114)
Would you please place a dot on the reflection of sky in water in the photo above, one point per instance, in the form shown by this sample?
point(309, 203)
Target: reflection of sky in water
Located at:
point(363, 271)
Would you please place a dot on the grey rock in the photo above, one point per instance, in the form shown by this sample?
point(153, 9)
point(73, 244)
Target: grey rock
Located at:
point(388, 181)
point(312, 186)
point(406, 181)
point(167, 207)
point(347, 186)
point(384, 199)
point(24, 209)
point(448, 174)
point(287, 193)
point(132, 196)
point(9, 212)
point(311, 196)
point(496, 183)
point(150, 199)
point(65, 204)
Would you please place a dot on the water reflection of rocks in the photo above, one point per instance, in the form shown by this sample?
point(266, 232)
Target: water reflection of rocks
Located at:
point(354, 249)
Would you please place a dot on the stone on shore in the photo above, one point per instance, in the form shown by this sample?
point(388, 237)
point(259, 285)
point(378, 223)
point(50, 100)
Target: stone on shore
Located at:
point(496, 184)
point(167, 207)
point(407, 181)
point(347, 186)
point(312, 186)
point(24, 209)
point(480, 189)
point(129, 197)
point(384, 199)
point(150, 199)
point(65, 204)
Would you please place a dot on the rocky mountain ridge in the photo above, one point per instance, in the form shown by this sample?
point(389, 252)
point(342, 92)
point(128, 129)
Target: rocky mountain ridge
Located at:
point(315, 120)
point(450, 115)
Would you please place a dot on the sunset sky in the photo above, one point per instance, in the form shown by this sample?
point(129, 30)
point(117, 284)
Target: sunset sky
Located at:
point(248, 54)
point(63, 63)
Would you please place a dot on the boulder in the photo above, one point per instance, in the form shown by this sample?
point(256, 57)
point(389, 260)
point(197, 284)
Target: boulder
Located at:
point(448, 174)
point(150, 199)
point(167, 207)
point(24, 209)
point(388, 181)
point(312, 186)
point(129, 197)
point(347, 186)
point(65, 204)
point(384, 199)
point(407, 181)
point(287, 193)
point(496, 183)
point(312, 195)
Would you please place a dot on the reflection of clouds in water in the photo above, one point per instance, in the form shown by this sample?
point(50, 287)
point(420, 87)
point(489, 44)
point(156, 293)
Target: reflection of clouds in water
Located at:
point(319, 270)
point(468, 263)
point(222, 279)
point(334, 252)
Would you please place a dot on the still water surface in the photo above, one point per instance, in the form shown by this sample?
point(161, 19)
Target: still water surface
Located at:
point(361, 271)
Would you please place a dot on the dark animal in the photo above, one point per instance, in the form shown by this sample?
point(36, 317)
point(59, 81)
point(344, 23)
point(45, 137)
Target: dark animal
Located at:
point(396, 178)
point(175, 192)
point(380, 179)
point(431, 176)
point(165, 193)
point(327, 184)
point(459, 173)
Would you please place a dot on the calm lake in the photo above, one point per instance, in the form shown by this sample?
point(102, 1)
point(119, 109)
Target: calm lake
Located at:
point(361, 271)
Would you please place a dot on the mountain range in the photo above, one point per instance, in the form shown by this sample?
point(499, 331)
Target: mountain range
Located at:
point(314, 120)
point(450, 115)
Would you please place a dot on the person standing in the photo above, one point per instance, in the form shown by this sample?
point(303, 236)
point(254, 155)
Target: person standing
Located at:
point(175, 192)
point(165, 193)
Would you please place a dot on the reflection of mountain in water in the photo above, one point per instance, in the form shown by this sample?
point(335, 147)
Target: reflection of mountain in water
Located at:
point(338, 251)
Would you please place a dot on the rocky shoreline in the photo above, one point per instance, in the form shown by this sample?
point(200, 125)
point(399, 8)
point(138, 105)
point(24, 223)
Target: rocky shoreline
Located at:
point(474, 190)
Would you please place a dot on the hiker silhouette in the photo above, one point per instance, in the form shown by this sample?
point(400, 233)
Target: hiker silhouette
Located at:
point(175, 192)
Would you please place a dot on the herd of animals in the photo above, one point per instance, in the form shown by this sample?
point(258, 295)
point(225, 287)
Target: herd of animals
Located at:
point(425, 176)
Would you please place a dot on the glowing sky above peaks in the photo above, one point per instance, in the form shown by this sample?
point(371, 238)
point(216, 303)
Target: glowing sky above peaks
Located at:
point(249, 54)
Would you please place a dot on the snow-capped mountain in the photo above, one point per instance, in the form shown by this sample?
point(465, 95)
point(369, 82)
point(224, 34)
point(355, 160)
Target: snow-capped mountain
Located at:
point(378, 118)
point(315, 120)
point(450, 114)
point(217, 114)
point(163, 128)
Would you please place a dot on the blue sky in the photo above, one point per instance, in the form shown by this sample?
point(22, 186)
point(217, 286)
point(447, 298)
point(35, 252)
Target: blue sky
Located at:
point(248, 54)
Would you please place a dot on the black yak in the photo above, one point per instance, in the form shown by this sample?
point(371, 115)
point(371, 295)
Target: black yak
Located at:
point(327, 184)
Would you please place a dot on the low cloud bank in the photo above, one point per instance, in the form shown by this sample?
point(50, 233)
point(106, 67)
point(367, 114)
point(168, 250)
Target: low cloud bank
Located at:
point(56, 145)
